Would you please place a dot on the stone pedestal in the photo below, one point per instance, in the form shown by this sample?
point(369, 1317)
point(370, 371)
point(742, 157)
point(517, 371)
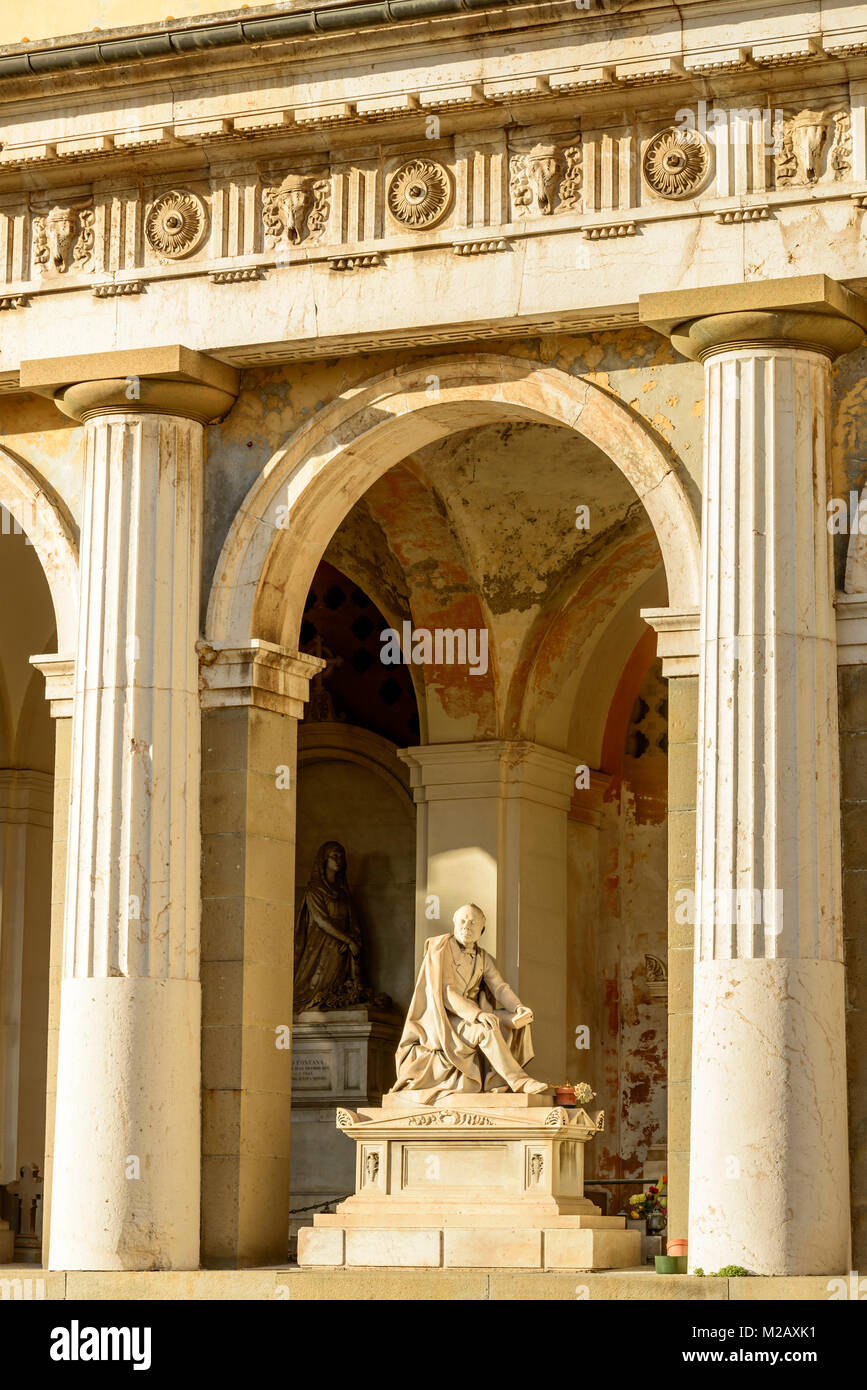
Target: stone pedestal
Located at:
point(340, 1057)
point(474, 1182)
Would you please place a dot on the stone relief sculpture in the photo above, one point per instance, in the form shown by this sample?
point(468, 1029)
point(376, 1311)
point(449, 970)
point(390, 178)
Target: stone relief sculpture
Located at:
point(175, 224)
point(533, 180)
point(419, 193)
point(546, 179)
point(63, 238)
point(676, 163)
point(807, 139)
point(573, 178)
point(466, 1030)
point(296, 210)
point(328, 940)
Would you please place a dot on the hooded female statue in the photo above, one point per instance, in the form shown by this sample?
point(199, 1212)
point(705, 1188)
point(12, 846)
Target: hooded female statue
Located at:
point(327, 937)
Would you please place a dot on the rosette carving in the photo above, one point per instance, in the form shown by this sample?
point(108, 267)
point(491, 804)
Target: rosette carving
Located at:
point(419, 194)
point(175, 224)
point(676, 163)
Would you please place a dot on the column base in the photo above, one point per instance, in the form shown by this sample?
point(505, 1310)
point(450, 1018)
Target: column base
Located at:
point(127, 1129)
point(769, 1186)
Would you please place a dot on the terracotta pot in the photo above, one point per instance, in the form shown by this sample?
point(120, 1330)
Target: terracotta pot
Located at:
point(676, 1247)
point(564, 1095)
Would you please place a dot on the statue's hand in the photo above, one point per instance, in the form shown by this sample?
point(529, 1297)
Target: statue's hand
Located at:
point(354, 949)
point(522, 1016)
point(490, 1019)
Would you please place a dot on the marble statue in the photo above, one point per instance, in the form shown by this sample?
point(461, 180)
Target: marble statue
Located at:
point(466, 1030)
point(328, 939)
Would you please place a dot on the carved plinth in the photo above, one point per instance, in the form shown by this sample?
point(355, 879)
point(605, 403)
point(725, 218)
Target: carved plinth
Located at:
point(340, 1057)
point(475, 1181)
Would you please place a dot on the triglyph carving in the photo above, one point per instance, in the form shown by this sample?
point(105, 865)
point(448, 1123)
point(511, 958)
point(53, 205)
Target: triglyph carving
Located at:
point(419, 193)
point(63, 239)
point(815, 143)
point(296, 210)
point(676, 163)
point(175, 224)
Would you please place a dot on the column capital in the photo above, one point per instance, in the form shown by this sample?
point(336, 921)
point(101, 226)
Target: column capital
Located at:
point(807, 312)
point(171, 380)
point(678, 633)
point(58, 668)
point(490, 767)
point(261, 674)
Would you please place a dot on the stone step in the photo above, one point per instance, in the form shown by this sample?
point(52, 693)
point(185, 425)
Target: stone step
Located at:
point(463, 1247)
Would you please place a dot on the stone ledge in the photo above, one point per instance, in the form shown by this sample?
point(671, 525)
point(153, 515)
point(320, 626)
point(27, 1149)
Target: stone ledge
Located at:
point(288, 1282)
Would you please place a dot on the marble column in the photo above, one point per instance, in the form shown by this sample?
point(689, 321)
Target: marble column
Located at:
point(126, 1142)
point(769, 1186)
point(492, 829)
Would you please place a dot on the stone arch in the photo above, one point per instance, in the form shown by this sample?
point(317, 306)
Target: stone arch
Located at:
point(42, 515)
point(287, 518)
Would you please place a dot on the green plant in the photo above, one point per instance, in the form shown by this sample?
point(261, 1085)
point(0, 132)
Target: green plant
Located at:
point(727, 1272)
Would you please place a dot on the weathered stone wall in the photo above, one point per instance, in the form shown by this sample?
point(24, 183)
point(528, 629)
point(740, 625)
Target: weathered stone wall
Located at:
point(853, 767)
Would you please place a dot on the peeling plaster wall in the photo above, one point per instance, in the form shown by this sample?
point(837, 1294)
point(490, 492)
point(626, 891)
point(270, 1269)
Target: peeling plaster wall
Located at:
point(627, 1064)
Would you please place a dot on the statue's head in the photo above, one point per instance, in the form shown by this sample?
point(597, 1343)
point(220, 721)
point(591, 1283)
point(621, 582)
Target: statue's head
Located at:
point(469, 923)
point(331, 860)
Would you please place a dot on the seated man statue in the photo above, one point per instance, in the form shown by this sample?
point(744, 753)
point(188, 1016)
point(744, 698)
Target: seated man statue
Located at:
point(466, 1030)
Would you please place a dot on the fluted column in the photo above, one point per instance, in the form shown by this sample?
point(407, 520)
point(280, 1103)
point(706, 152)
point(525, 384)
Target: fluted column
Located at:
point(769, 1185)
point(126, 1144)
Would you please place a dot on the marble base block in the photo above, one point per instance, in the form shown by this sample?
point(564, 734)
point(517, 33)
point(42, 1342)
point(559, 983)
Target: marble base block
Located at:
point(7, 1243)
point(473, 1182)
point(339, 1057)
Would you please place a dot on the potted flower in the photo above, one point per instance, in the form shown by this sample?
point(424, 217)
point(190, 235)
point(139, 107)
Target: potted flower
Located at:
point(572, 1093)
point(651, 1206)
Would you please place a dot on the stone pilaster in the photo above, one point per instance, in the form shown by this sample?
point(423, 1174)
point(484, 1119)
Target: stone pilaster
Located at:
point(126, 1143)
point(252, 699)
point(678, 634)
point(492, 829)
point(769, 1165)
point(59, 672)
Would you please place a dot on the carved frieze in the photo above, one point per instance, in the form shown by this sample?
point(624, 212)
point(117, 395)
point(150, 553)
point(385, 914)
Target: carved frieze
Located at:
point(544, 179)
point(175, 224)
point(816, 145)
point(420, 194)
point(63, 239)
point(676, 163)
point(296, 210)
point(448, 1119)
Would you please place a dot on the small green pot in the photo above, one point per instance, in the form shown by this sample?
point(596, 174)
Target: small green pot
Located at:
point(670, 1264)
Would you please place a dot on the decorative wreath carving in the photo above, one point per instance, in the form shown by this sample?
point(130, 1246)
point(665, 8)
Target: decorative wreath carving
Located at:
point(419, 193)
point(175, 224)
point(676, 163)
